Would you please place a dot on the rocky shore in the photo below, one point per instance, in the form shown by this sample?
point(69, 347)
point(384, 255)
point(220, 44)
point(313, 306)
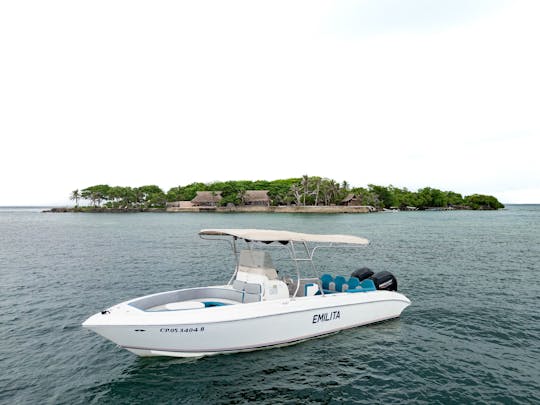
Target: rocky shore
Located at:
point(280, 209)
point(102, 209)
point(288, 209)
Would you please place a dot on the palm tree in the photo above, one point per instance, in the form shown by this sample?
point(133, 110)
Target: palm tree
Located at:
point(317, 181)
point(326, 189)
point(305, 183)
point(75, 195)
point(334, 190)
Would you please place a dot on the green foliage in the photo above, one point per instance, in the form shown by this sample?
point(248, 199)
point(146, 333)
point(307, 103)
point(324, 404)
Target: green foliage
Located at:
point(279, 191)
point(385, 195)
point(96, 194)
point(480, 201)
point(431, 197)
point(306, 190)
point(116, 197)
point(454, 198)
point(234, 190)
point(185, 193)
point(367, 197)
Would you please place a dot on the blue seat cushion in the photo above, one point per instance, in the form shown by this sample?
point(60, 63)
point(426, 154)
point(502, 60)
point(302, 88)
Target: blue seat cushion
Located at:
point(353, 283)
point(326, 279)
point(368, 284)
point(365, 286)
point(214, 304)
point(340, 281)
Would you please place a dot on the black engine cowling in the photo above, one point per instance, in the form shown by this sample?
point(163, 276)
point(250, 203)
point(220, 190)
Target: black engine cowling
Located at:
point(384, 280)
point(362, 274)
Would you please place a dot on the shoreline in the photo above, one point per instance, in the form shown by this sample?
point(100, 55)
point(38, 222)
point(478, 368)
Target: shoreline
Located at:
point(308, 209)
point(277, 209)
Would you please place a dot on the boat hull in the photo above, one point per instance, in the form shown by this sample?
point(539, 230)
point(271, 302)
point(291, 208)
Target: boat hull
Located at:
point(243, 327)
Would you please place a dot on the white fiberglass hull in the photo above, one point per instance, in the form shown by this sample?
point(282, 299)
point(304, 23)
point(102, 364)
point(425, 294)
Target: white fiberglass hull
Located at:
point(242, 327)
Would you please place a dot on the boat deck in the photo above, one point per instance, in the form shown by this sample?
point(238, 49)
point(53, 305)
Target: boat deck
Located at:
point(193, 304)
point(241, 292)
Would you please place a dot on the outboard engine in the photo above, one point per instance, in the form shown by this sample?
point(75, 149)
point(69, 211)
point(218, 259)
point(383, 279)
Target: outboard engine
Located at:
point(362, 274)
point(384, 280)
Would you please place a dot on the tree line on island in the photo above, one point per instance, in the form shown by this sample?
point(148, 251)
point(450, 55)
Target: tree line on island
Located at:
point(302, 191)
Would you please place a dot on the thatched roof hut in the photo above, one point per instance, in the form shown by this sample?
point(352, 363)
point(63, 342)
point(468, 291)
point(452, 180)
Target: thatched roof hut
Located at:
point(207, 198)
point(352, 199)
point(256, 197)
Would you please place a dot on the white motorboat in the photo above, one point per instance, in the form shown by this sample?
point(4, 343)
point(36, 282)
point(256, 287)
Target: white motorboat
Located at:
point(258, 308)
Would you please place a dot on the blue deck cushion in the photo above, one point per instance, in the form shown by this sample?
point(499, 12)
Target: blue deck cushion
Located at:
point(365, 286)
point(326, 280)
point(353, 283)
point(368, 284)
point(214, 303)
point(340, 283)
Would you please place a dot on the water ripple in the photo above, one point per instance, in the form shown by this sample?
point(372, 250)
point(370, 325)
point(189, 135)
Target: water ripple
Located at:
point(470, 335)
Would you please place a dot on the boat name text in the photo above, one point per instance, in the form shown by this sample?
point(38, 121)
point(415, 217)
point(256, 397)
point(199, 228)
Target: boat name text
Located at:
point(326, 316)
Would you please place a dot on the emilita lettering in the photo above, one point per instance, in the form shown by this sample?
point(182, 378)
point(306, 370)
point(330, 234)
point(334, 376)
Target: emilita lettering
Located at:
point(327, 316)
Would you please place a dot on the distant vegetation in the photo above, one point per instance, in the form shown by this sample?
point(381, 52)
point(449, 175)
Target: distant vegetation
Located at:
point(307, 190)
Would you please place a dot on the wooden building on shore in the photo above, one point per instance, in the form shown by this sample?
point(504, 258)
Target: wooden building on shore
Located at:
point(207, 199)
point(256, 198)
point(352, 200)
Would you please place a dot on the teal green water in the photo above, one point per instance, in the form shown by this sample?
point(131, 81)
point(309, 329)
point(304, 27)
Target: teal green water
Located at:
point(471, 334)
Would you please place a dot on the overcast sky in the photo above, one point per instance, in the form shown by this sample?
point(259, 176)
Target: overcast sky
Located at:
point(410, 93)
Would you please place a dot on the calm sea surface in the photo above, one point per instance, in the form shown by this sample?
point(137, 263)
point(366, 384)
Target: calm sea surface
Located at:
point(471, 335)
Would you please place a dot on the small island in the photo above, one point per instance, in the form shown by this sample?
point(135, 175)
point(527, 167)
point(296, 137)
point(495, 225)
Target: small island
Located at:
point(305, 194)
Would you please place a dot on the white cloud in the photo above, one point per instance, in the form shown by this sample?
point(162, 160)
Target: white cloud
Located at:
point(132, 93)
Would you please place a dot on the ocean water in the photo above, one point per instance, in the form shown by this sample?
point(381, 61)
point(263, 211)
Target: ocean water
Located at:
point(471, 335)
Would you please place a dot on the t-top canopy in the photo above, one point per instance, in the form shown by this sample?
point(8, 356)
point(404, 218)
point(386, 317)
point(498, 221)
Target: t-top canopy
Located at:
point(268, 236)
